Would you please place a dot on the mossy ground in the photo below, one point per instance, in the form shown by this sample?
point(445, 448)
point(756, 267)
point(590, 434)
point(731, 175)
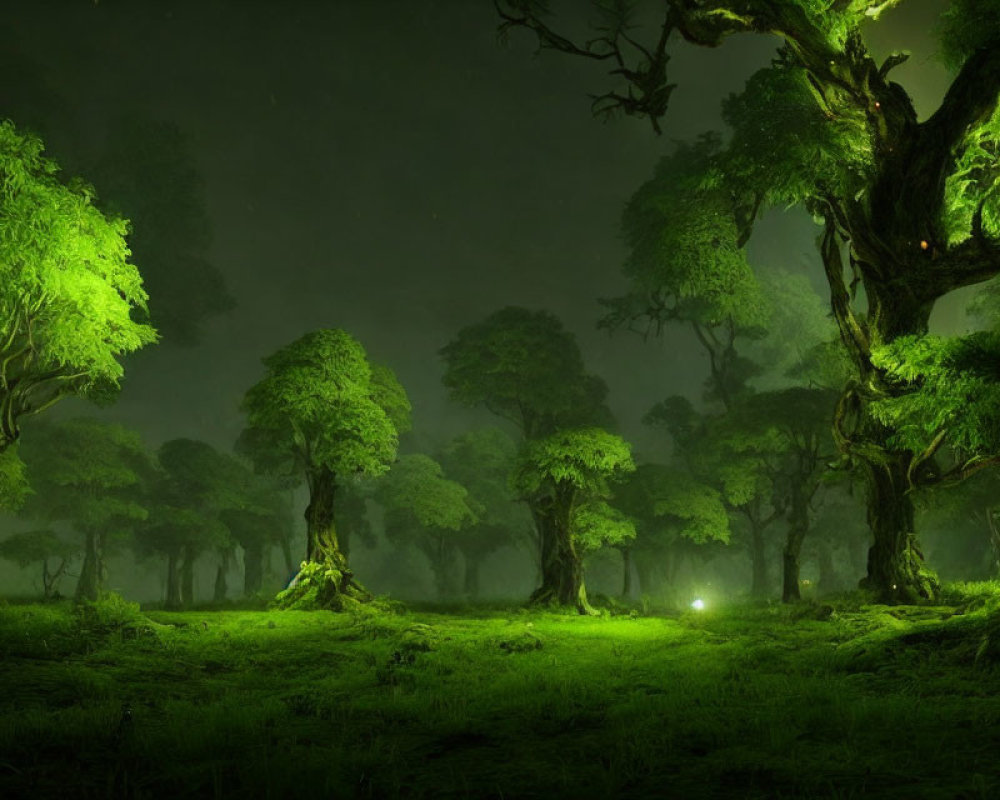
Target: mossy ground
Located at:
point(739, 702)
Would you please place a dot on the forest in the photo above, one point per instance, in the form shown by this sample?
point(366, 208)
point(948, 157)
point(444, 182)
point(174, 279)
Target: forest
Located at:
point(756, 557)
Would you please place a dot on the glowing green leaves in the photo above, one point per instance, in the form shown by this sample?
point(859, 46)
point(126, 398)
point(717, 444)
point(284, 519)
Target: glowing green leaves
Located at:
point(524, 366)
point(67, 291)
point(583, 458)
point(320, 406)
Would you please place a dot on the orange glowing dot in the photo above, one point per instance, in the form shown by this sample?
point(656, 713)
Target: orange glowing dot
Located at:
point(924, 244)
point(878, 105)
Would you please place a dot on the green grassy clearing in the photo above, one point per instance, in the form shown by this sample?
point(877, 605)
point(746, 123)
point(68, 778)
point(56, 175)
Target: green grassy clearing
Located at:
point(746, 701)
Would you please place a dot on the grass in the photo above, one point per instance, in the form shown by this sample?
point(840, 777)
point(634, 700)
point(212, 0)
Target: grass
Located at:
point(749, 701)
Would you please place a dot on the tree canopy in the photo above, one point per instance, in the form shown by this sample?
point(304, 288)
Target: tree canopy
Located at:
point(68, 293)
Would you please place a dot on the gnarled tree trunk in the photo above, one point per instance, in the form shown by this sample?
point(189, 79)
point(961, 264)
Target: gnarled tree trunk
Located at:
point(562, 567)
point(324, 581)
point(896, 569)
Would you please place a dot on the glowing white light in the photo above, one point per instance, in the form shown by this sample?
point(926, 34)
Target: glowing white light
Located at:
point(698, 604)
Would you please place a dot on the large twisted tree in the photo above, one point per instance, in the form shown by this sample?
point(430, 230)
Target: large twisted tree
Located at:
point(324, 413)
point(908, 207)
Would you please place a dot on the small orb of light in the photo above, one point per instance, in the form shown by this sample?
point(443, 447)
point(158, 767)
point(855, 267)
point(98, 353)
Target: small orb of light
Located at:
point(698, 604)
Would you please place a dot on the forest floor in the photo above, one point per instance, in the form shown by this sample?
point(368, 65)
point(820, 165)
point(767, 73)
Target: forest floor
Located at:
point(747, 701)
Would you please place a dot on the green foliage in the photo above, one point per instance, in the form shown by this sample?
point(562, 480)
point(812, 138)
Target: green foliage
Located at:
point(695, 509)
point(416, 488)
point(949, 385)
point(149, 174)
point(686, 260)
point(667, 504)
point(801, 342)
point(524, 366)
point(318, 407)
point(31, 547)
point(583, 458)
point(111, 613)
point(85, 472)
point(787, 141)
point(67, 289)
point(14, 489)
point(390, 395)
point(968, 26)
point(972, 185)
point(597, 524)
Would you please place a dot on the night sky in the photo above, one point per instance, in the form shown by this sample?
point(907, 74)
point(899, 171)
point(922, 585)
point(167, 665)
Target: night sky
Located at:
point(387, 168)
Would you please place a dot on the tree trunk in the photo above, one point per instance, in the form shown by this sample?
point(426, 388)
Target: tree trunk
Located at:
point(221, 584)
point(46, 580)
point(828, 580)
point(324, 580)
point(994, 541)
point(91, 581)
point(444, 564)
point(187, 576)
point(896, 571)
point(644, 570)
point(471, 588)
point(562, 567)
point(798, 526)
point(253, 568)
point(758, 555)
point(626, 572)
point(173, 600)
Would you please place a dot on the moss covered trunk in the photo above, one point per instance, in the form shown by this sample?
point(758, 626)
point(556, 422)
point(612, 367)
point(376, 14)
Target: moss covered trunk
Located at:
point(323, 581)
point(91, 581)
point(896, 569)
point(562, 568)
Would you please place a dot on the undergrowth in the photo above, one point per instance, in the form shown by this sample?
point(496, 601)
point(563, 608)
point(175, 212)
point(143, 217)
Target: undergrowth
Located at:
point(840, 700)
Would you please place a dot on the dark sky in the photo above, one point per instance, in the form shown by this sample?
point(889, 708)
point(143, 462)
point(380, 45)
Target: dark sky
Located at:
point(387, 168)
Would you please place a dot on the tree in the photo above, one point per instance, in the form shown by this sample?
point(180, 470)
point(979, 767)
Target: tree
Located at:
point(91, 475)
point(317, 413)
point(597, 525)
point(669, 509)
point(912, 202)
point(67, 290)
point(483, 461)
point(561, 472)
point(425, 508)
point(39, 547)
point(797, 420)
point(195, 486)
point(148, 173)
point(526, 368)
